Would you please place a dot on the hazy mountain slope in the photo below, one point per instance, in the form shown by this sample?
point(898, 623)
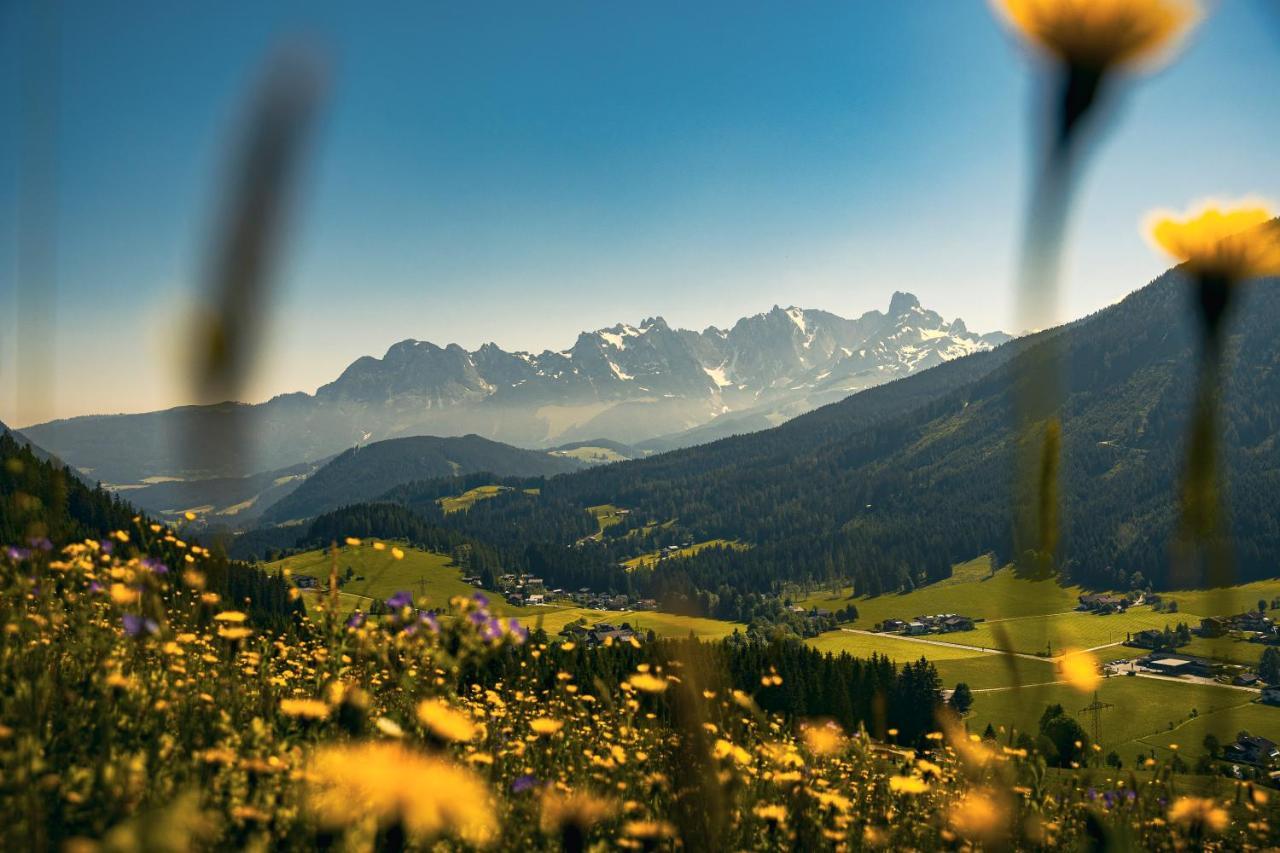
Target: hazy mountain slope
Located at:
point(366, 472)
point(625, 383)
point(909, 477)
point(231, 501)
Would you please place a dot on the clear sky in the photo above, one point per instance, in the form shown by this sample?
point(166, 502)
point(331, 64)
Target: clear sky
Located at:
point(517, 172)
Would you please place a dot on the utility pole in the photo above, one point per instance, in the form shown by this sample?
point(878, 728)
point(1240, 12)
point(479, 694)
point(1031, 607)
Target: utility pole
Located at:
point(1095, 709)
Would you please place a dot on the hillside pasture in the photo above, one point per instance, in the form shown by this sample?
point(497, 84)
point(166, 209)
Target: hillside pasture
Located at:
point(464, 501)
point(651, 559)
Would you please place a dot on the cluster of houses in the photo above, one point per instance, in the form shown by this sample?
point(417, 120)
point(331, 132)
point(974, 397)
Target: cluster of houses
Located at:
point(1104, 603)
point(1250, 622)
point(941, 623)
point(522, 590)
point(1253, 750)
point(661, 554)
point(599, 634)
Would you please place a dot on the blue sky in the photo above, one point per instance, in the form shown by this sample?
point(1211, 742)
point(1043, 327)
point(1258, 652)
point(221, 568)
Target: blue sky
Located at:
point(517, 172)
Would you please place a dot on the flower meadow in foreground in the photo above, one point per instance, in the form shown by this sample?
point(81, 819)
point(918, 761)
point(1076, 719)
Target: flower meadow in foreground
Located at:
point(141, 711)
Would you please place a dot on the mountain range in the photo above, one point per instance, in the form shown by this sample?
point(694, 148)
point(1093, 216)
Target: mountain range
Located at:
point(650, 385)
point(893, 485)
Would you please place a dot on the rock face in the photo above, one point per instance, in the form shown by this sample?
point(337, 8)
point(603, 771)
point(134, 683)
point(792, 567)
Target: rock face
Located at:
point(645, 383)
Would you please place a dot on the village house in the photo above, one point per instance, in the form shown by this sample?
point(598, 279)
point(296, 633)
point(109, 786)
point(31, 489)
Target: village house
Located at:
point(1169, 664)
point(1252, 749)
point(1103, 603)
point(1214, 626)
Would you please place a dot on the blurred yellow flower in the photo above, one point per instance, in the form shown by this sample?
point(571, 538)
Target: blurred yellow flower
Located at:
point(907, 785)
point(546, 726)
point(648, 683)
point(1101, 34)
point(311, 709)
point(977, 816)
point(235, 633)
point(430, 796)
point(823, 738)
point(577, 809)
point(352, 541)
point(397, 553)
point(230, 616)
point(444, 721)
point(1080, 669)
point(1198, 814)
point(1232, 241)
point(771, 813)
point(122, 594)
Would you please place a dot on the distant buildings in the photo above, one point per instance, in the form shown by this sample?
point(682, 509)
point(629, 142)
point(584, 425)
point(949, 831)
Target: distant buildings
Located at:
point(942, 623)
point(1171, 664)
point(600, 634)
point(1249, 622)
point(1252, 749)
point(1105, 602)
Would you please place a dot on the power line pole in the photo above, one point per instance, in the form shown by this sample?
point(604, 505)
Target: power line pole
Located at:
point(1095, 709)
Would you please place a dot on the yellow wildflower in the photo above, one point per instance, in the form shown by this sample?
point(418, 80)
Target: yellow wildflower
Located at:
point(311, 709)
point(1080, 669)
point(578, 809)
point(648, 683)
point(1230, 241)
point(430, 796)
point(546, 726)
point(230, 616)
point(1101, 34)
point(1198, 814)
point(445, 722)
point(907, 785)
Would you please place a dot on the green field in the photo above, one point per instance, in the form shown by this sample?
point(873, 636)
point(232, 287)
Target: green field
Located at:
point(972, 590)
point(1225, 649)
point(652, 559)
point(1059, 631)
point(606, 516)
point(1226, 601)
point(457, 503)
point(432, 578)
point(590, 453)
point(1143, 709)
point(896, 648)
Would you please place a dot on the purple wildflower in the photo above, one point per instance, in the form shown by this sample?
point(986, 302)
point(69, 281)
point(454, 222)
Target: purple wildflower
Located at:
point(106, 545)
point(429, 619)
point(136, 626)
point(477, 618)
point(517, 630)
point(400, 600)
point(355, 620)
point(40, 543)
point(492, 630)
point(16, 554)
point(154, 566)
point(481, 599)
point(524, 783)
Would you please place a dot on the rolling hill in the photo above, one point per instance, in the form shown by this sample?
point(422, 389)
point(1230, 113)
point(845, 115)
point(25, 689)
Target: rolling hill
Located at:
point(364, 473)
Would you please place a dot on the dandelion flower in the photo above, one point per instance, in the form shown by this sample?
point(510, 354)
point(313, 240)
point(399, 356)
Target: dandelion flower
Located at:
point(430, 796)
point(311, 709)
point(1198, 814)
point(352, 541)
point(546, 726)
point(578, 810)
point(907, 785)
point(648, 683)
point(1101, 34)
point(1232, 241)
point(977, 816)
point(1080, 670)
point(397, 553)
point(230, 616)
point(444, 721)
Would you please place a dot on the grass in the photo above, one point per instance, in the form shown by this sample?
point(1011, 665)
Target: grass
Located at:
point(896, 648)
point(1143, 709)
point(592, 454)
point(606, 516)
point(972, 590)
point(1031, 635)
point(1225, 601)
point(464, 501)
point(662, 624)
point(1224, 724)
point(651, 559)
point(432, 578)
point(1225, 649)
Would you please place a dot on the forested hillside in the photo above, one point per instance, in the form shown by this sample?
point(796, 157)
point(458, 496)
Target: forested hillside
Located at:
point(893, 485)
point(366, 472)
